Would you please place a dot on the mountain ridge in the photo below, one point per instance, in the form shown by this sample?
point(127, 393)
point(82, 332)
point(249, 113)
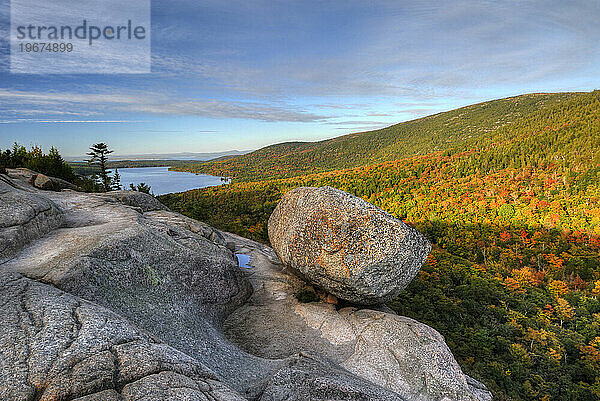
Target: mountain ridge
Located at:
point(436, 132)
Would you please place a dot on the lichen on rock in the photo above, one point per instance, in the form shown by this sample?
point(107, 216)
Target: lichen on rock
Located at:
point(345, 245)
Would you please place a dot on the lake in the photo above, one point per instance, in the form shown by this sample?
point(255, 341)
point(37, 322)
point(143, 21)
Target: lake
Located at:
point(162, 181)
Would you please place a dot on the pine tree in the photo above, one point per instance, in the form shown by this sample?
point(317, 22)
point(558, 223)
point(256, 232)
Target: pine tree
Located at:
point(99, 155)
point(116, 181)
point(141, 187)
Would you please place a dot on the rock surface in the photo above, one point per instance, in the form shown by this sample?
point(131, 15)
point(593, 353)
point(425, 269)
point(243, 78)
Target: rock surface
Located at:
point(112, 297)
point(395, 352)
point(308, 378)
point(43, 182)
point(162, 277)
point(137, 199)
point(55, 346)
point(25, 217)
point(345, 245)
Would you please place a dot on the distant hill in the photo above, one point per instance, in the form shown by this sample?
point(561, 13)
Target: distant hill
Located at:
point(185, 156)
point(84, 168)
point(438, 132)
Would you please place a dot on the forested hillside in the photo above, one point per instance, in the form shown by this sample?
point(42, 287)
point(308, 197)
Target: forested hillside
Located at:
point(425, 135)
point(514, 214)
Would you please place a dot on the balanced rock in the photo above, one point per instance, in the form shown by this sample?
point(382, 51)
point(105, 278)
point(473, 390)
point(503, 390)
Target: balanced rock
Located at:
point(345, 245)
point(397, 353)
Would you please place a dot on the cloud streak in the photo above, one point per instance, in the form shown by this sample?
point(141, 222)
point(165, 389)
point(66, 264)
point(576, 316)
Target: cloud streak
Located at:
point(158, 104)
point(37, 121)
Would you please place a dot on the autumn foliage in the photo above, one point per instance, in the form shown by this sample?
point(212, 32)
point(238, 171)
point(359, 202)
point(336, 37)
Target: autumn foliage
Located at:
point(514, 215)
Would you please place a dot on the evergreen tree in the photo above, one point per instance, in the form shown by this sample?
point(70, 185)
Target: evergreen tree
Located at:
point(51, 164)
point(116, 181)
point(141, 187)
point(99, 155)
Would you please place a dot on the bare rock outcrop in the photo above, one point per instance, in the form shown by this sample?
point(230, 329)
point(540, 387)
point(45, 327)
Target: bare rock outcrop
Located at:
point(41, 181)
point(162, 277)
point(55, 346)
point(305, 377)
point(112, 297)
point(345, 245)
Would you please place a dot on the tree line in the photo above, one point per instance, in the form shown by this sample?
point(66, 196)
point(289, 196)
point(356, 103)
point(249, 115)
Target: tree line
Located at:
point(52, 164)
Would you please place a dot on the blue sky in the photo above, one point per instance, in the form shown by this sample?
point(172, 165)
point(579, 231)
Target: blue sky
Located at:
point(245, 74)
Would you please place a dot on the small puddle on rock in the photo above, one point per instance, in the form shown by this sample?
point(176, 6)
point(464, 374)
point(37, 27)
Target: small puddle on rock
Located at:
point(243, 260)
